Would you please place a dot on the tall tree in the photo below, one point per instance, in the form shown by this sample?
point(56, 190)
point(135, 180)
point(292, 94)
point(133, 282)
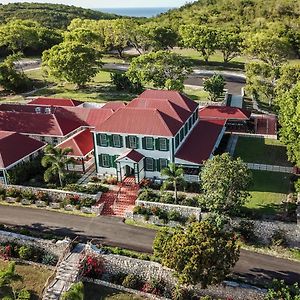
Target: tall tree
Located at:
point(289, 119)
point(175, 176)
point(224, 182)
point(214, 86)
point(200, 253)
point(268, 47)
point(201, 38)
point(56, 159)
point(229, 43)
point(163, 69)
point(72, 62)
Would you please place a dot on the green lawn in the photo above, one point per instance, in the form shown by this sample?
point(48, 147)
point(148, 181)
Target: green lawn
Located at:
point(32, 278)
point(97, 292)
point(263, 151)
point(196, 94)
point(267, 191)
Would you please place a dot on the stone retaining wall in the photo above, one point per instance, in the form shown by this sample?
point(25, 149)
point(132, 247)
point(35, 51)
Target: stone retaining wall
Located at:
point(265, 229)
point(55, 248)
point(185, 211)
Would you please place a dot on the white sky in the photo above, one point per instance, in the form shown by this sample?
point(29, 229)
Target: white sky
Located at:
point(110, 3)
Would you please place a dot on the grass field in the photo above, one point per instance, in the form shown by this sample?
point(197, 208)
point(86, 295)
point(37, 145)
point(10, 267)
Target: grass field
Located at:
point(263, 151)
point(96, 292)
point(32, 278)
point(267, 191)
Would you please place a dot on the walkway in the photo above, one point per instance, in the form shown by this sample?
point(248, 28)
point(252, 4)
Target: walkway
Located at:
point(66, 274)
point(85, 178)
point(271, 168)
point(117, 202)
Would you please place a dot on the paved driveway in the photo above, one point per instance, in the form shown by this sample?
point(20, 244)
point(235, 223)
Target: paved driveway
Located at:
point(113, 231)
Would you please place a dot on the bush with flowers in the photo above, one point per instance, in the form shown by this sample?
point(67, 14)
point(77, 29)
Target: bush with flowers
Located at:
point(91, 266)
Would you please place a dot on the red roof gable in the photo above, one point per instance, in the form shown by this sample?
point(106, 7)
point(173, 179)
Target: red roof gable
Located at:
point(224, 113)
point(54, 102)
point(166, 106)
point(81, 144)
point(14, 147)
point(114, 105)
point(144, 121)
point(201, 142)
point(176, 97)
point(40, 124)
point(133, 155)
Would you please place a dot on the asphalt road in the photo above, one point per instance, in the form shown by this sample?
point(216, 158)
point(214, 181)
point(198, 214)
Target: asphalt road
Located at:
point(113, 231)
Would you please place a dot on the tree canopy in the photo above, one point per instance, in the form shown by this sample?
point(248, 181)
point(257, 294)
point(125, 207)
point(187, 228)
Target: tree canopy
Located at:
point(224, 182)
point(201, 253)
point(214, 86)
point(163, 69)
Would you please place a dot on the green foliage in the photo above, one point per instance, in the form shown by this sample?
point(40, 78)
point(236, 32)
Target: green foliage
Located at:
point(201, 38)
point(201, 253)
point(12, 79)
point(50, 15)
point(280, 290)
point(123, 83)
point(174, 175)
point(56, 160)
point(72, 62)
point(289, 115)
point(76, 292)
point(23, 295)
point(25, 252)
point(162, 69)
point(224, 183)
point(214, 86)
point(7, 275)
point(130, 281)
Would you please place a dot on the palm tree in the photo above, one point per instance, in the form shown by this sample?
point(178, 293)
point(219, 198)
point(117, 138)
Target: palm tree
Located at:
point(174, 176)
point(56, 160)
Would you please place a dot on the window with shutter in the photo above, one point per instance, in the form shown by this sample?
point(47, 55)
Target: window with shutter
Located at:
point(103, 140)
point(116, 141)
point(106, 163)
point(163, 163)
point(149, 164)
point(177, 140)
point(132, 142)
point(163, 144)
point(149, 143)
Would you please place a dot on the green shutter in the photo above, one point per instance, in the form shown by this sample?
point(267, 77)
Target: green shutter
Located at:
point(98, 139)
point(121, 142)
point(100, 160)
point(158, 165)
point(127, 141)
point(109, 139)
point(168, 144)
point(137, 142)
point(157, 144)
point(144, 143)
point(113, 161)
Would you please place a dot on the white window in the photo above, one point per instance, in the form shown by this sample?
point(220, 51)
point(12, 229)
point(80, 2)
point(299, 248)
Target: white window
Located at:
point(117, 141)
point(163, 144)
point(103, 139)
point(105, 161)
point(163, 163)
point(132, 142)
point(149, 164)
point(149, 143)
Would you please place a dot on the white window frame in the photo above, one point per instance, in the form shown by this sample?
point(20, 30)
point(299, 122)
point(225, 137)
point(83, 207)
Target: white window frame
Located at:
point(105, 161)
point(163, 142)
point(147, 161)
point(165, 161)
point(149, 139)
point(117, 138)
point(103, 139)
point(132, 142)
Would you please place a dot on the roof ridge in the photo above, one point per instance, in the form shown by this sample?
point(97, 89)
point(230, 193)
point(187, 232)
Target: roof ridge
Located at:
point(160, 114)
point(57, 122)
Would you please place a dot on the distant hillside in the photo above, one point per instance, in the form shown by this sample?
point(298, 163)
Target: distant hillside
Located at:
point(252, 13)
point(50, 15)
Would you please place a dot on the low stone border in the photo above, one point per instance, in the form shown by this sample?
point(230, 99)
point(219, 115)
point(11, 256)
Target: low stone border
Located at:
point(32, 263)
point(154, 220)
point(55, 248)
point(123, 289)
point(185, 211)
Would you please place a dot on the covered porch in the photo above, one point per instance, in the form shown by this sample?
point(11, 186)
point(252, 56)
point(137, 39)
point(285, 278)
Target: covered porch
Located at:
point(130, 164)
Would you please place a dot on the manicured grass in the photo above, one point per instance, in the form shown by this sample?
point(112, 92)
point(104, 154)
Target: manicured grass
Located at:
point(32, 278)
point(97, 292)
point(196, 94)
point(263, 151)
point(267, 191)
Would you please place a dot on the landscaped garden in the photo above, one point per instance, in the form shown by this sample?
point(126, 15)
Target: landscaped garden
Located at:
point(26, 278)
point(261, 151)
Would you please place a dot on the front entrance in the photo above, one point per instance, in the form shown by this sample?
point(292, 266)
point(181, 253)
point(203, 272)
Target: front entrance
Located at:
point(128, 171)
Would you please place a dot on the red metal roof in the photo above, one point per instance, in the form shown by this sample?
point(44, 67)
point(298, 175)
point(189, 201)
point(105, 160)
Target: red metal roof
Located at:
point(81, 144)
point(201, 142)
point(114, 105)
point(164, 105)
point(132, 154)
point(40, 124)
point(224, 113)
point(144, 121)
point(54, 102)
point(14, 147)
point(176, 97)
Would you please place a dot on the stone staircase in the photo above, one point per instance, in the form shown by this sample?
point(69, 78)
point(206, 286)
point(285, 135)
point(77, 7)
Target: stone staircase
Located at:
point(66, 274)
point(117, 202)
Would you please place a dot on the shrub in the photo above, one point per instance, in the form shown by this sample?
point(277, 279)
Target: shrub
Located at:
point(130, 281)
point(167, 198)
point(246, 230)
point(23, 295)
point(174, 216)
point(25, 252)
point(42, 196)
point(118, 278)
point(88, 202)
point(49, 259)
point(179, 293)
point(76, 292)
point(149, 195)
point(194, 202)
point(12, 192)
point(279, 238)
point(28, 194)
point(92, 266)
point(112, 180)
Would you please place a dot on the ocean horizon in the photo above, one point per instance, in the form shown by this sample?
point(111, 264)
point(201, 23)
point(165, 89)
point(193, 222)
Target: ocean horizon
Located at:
point(146, 12)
